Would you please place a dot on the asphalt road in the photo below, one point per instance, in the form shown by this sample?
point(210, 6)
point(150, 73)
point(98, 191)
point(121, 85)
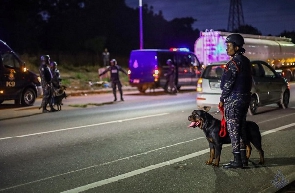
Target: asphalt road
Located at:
point(140, 145)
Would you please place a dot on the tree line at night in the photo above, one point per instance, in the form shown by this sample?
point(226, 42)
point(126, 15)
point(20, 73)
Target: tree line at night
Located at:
point(70, 27)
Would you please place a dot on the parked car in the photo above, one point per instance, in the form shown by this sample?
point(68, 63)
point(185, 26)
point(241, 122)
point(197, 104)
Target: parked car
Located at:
point(268, 86)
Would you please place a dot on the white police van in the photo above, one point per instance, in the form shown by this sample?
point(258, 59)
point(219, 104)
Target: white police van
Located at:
point(16, 81)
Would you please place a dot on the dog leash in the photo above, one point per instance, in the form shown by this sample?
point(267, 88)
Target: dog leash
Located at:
point(222, 132)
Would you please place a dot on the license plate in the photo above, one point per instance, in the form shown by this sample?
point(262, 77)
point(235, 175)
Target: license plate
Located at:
point(136, 81)
point(215, 84)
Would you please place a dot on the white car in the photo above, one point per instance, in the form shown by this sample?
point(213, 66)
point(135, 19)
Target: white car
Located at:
point(268, 86)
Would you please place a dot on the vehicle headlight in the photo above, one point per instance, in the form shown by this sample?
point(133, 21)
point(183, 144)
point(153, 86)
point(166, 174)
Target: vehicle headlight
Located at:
point(39, 79)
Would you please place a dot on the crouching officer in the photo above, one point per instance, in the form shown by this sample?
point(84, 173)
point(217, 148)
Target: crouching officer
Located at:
point(236, 86)
point(46, 78)
point(115, 79)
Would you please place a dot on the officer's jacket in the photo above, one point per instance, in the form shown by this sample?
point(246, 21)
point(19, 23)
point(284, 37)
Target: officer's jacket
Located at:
point(114, 70)
point(45, 74)
point(55, 78)
point(237, 77)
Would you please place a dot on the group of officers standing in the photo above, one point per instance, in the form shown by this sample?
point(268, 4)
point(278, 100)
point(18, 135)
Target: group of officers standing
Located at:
point(50, 80)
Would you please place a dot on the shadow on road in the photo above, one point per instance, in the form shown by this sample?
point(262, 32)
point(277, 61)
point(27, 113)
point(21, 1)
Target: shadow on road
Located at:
point(158, 93)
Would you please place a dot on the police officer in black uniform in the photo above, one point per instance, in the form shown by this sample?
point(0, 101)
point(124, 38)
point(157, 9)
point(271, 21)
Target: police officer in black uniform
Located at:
point(55, 75)
point(170, 86)
point(46, 78)
point(236, 86)
point(115, 79)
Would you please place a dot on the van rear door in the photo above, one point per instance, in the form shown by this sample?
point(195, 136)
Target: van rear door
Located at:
point(142, 65)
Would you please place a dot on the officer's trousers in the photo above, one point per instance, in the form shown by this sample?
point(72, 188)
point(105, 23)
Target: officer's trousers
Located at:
point(235, 109)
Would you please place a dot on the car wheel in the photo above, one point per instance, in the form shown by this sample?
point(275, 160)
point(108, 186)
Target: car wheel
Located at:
point(253, 106)
point(28, 97)
point(1, 101)
point(285, 100)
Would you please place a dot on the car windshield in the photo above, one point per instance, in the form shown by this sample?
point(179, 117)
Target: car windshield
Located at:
point(213, 72)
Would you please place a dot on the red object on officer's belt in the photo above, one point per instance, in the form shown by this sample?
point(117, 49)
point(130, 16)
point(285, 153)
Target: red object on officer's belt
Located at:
point(222, 132)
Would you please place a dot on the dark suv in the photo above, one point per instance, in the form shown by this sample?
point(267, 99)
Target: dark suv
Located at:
point(268, 86)
point(16, 81)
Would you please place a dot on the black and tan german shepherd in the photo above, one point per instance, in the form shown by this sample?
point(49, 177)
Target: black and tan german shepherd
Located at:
point(211, 127)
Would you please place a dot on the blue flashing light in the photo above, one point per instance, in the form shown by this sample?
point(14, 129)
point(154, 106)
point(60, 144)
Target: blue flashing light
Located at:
point(179, 49)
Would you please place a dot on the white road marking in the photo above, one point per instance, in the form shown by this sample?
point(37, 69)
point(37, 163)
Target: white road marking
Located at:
point(139, 171)
point(84, 126)
point(103, 164)
point(156, 166)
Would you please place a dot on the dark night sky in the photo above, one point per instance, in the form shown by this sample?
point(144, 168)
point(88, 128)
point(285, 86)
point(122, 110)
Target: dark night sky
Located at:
point(268, 16)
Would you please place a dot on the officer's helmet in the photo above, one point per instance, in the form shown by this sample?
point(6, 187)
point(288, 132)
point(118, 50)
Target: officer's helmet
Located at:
point(45, 58)
point(114, 61)
point(53, 64)
point(169, 62)
point(235, 39)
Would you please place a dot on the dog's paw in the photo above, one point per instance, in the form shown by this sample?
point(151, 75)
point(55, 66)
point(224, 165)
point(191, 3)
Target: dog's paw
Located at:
point(208, 162)
point(215, 165)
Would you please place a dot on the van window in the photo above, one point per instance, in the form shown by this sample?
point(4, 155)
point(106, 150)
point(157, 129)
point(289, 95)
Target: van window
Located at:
point(188, 61)
point(9, 60)
point(164, 56)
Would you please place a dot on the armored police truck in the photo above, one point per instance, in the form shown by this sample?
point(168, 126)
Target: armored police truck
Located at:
point(16, 81)
point(147, 68)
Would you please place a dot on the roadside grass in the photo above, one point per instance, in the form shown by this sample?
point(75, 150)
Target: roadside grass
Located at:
point(78, 78)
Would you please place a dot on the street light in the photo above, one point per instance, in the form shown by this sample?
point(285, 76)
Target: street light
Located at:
point(140, 25)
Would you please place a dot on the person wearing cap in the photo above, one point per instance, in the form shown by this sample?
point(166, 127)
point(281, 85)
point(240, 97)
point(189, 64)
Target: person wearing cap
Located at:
point(236, 83)
point(46, 78)
point(114, 69)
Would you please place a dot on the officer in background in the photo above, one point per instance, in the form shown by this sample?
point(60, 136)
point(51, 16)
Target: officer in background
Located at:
point(105, 57)
point(115, 79)
point(55, 75)
point(46, 78)
point(236, 83)
point(170, 86)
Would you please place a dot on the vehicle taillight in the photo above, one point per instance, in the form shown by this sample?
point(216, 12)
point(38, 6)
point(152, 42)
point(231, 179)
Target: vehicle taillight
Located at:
point(199, 85)
point(156, 74)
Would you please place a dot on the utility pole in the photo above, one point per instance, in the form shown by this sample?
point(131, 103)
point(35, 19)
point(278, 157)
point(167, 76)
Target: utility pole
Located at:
point(140, 25)
point(236, 16)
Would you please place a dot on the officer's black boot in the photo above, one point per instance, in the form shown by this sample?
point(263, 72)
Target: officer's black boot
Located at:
point(244, 158)
point(52, 109)
point(237, 163)
point(44, 110)
point(43, 105)
point(121, 93)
